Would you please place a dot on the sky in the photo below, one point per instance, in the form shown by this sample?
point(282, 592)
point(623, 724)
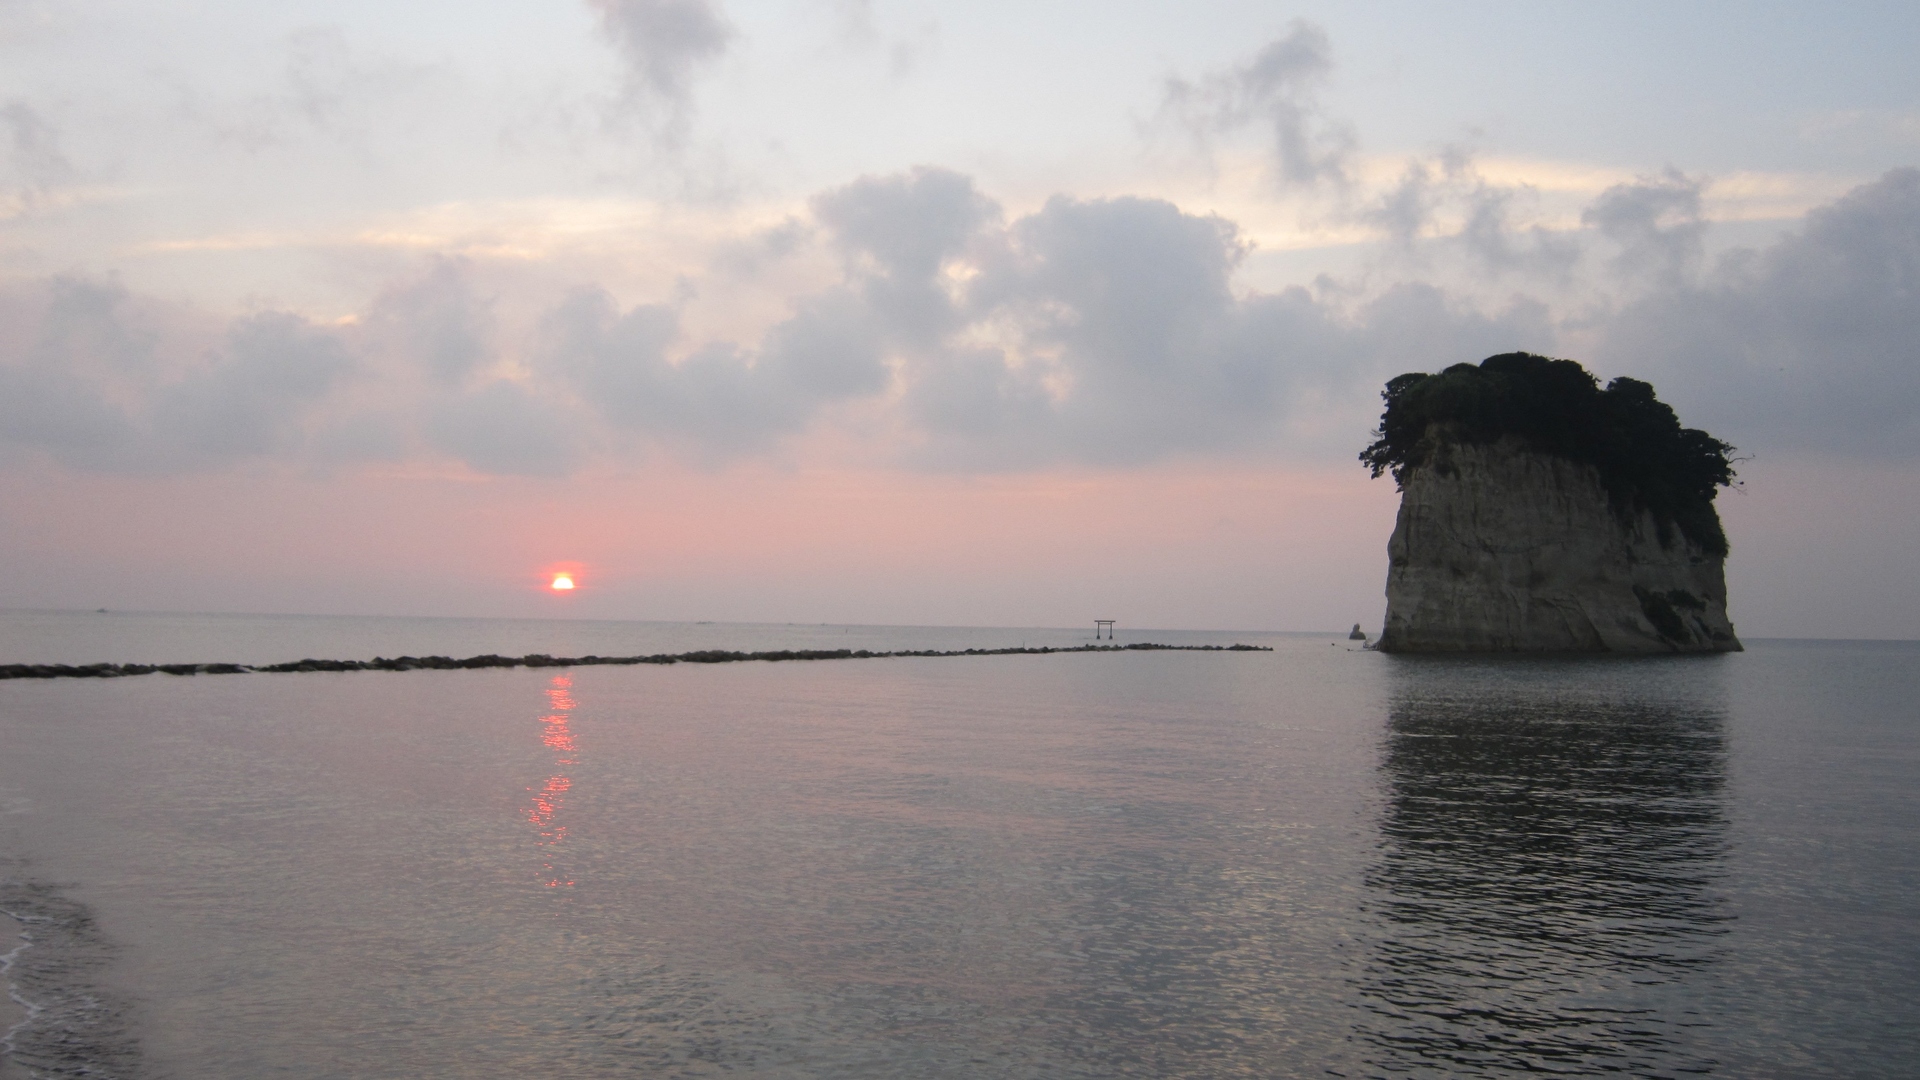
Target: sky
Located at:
point(919, 313)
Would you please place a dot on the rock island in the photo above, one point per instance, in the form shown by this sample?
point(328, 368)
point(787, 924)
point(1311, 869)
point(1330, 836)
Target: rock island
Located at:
point(1541, 513)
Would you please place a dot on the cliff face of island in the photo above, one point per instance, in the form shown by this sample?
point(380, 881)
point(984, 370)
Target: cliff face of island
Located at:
point(1501, 549)
point(1539, 513)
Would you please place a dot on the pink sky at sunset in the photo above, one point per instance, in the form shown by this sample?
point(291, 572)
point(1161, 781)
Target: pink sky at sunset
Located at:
point(1166, 547)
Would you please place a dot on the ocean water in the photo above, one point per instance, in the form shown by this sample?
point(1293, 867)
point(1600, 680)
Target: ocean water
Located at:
point(1315, 861)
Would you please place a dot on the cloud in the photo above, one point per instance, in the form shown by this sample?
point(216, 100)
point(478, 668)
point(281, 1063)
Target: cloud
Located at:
point(855, 17)
point(1447, 199)
point(664, 42)
point(618, 363)
point(1128, 318)
point(1124, 307)
point(33, 155)
point(1105, 332)
point(829, 350)
point(1278, 88)
point(718, 401)
point(905, 226)
point(1098, 330)
point(1491, 238)
point(320, 71)
point(328, 93)
point(1810, 344)
point(1657, 223)
point(438, 321)
point(93, 387)
point(506, 429)
point(1406, 210)
point(77, 356)
point(898, 234)
point(248, 400)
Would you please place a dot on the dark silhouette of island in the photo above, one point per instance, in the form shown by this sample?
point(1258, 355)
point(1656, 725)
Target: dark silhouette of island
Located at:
point(542, 660)
point(1542, 513)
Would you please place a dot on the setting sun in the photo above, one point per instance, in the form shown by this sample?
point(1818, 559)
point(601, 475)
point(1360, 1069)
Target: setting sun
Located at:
point(559, 578)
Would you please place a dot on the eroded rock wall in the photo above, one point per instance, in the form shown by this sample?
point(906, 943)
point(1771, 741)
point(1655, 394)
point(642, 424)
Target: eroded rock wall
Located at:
point(1498, 549)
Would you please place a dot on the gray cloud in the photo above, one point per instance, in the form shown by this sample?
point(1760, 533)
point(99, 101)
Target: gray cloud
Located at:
point(63, 389)
point(829, 350)
point(765, 248)
point(1278, 88)
point(1407, 208)
point(1107, 332)
point(1103, 331)
point(360, 437)
point(439, 321)
point(328, 93)
point(91, 327)
point(1412, 209)
point(1657, 223)
point(856, 22)
point(1497, 247)
point(250, 397)
point(898, 233)
point(320, 71)
point(1135, 345)
point(505, 428)
point(93, 389)
point(618, 363)
point(1810, 344)
point(905, 225)
point(664, 42)
point(33, 153)
point(720, 401)
point(1417, 326)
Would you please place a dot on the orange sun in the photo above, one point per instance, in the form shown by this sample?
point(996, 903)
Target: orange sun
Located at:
point(562, 582)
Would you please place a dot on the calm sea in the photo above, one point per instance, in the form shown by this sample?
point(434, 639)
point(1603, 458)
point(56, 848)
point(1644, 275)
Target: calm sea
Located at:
point(1315, 861)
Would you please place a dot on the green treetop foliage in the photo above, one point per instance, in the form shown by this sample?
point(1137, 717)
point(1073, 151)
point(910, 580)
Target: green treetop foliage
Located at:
point(1645, 459)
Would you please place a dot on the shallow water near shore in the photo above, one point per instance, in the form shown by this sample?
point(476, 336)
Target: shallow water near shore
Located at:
point(1310, 862)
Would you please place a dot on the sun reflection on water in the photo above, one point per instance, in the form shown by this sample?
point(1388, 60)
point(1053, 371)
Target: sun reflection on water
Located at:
point(543, 811)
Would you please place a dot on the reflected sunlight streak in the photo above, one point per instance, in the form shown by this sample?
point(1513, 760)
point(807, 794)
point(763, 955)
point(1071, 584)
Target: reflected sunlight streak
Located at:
point(543, 811)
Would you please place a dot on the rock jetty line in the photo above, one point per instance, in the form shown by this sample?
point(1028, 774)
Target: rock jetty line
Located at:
point(542, 660)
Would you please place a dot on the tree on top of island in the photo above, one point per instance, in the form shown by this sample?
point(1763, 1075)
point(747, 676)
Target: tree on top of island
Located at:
point(1646, 461)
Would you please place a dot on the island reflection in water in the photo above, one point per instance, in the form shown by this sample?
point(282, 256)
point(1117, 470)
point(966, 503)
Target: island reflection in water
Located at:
point(543, 811)
point(1546, 898)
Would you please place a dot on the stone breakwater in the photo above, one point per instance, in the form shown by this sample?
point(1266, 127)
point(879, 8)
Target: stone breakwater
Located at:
point(542, 660)
point(1502, 549)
